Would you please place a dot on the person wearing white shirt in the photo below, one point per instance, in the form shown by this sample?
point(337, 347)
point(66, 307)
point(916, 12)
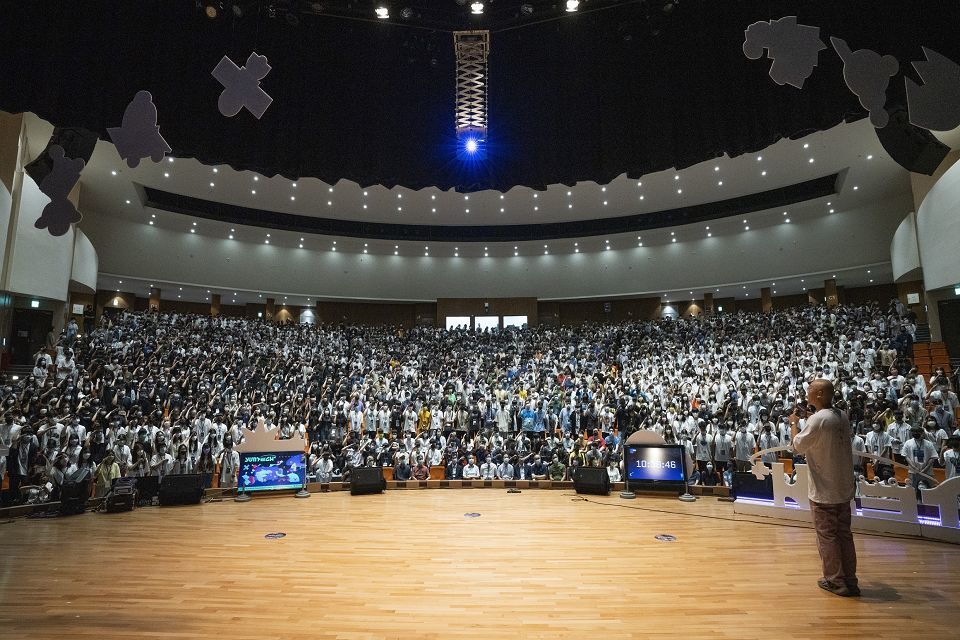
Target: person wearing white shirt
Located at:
point(471, 471)
point(950, 458)
point(613, 471)
point(229, 464)
point(920, 455)
point(768, 441)
point(877, 442)
point(488, 470)
point(161, 462)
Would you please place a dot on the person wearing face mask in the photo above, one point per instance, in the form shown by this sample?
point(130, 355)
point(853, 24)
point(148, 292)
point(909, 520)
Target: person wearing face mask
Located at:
point(161, 462)
point(768, 440)
point(107, 471)
point(722, 447)
point(229, 464)
point(878, 443)
point(899, 432)
point(613, 470)
point(183, 463)
point(206, 466)
point(743, 445)
point(920, 455)
point(140, 465)
point(471, 471)
point(950, 458)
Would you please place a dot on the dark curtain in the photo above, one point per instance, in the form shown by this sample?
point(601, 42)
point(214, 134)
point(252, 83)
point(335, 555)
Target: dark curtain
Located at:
point(586, 98)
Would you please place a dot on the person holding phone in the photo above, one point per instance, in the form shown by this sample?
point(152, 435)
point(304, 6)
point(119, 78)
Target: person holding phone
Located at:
point(825, 441)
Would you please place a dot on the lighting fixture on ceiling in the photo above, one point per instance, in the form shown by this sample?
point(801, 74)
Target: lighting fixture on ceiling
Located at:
point(572, 5)
point(476, 8)
point(382, 11)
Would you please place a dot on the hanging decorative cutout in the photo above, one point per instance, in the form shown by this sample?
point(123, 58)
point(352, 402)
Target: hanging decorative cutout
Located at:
point(59, 213)
point(793, 48)
point(867, 75)
point(138, 136)
point(242, 86)
point(936, 104)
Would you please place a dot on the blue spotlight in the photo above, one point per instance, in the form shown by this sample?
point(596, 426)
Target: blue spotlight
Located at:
point(471, 145)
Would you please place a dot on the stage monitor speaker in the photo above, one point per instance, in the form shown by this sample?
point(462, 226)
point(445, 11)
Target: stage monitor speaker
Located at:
point(75, 492)
point(181, 489)
point(367, 480)
point(911, 147)
point(147, 488)
point(119, 502)
point(746, 485)
point(76, 143)
point(593, 480)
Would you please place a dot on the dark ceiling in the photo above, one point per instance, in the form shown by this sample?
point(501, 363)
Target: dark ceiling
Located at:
point(616, 87)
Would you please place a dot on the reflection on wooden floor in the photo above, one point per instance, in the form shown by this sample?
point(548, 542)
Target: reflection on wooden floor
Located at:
point(409, 564)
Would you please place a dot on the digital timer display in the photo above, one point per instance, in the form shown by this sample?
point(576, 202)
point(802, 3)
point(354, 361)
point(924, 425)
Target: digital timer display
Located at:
point(646, 463)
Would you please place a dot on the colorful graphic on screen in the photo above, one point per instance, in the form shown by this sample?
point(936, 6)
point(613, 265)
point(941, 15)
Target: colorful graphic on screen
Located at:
point(649, 463)
point(266, 471)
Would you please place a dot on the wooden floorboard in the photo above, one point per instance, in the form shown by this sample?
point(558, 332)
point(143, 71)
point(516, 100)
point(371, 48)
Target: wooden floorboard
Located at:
point(409, 564)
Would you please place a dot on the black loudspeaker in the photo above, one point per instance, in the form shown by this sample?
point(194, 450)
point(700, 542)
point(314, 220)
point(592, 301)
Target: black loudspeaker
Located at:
point(76, 143)
point(122, 496)
point(367, 480)
point(593, 480)
point(913, 148)
point(75, 492)
point(181, 489)
point(746, 485)
point(147, 488)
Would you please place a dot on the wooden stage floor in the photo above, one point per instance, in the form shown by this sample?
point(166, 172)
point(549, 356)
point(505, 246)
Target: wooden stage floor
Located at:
point(409, 564)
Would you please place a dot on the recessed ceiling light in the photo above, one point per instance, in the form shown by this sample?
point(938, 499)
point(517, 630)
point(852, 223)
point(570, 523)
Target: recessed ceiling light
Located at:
point(639, 184)
point(215, 170)
point(395, 252)
point(399, 208)
point(709, 234)
point(501, 209)
point(501, 196)
point(569, 193)
point(181, 288)
point(151, 223)
point(212, 185)
point(256, 178)
point(536, 195)
point(871, 279)
point(763, 173)
point(330, 190)
point(113, 173)
point(364, 206)
point(870, 157)
point(128, 202)
point(266, 242)
point(399, 196)
point(604, 203)
point(831, 210)
point(230, 236)
point(193, 230)
point(787, 220)
point(855, 187)
point(433, 197)
point(153, 215)
point(679, 190)
point(747, 228)
point(759, 158)
point(293, 197)
point(570, 206)
point(673, 240)
point(121, 281)
point(536, 208)
point(253, 191)
point(301, 245)
point(329, 203)
point(720, 183)
point(716, 168)
point(293, 184)
point(333, 249)
point(466, 210)
point(434, 210)
point(806, 145)
point(166, 175)
point(576, 250)
point(364, 250)
point(466, 197)
point(546, 252)
point(673, 233)
point(641, 197)
point(810, 160)
point(334, 242)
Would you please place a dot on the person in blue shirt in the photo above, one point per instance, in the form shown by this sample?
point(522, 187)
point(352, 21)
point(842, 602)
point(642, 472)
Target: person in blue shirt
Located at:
point(527, 418)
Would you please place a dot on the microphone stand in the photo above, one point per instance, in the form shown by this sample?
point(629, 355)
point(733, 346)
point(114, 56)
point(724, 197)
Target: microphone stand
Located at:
point(303, 493)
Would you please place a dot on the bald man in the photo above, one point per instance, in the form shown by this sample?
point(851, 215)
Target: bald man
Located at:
point(825, 441)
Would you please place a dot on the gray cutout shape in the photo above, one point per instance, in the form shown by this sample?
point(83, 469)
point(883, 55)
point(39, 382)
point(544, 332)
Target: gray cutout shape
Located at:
point(59, 213)
point(138, 135)
point(867, 75)
point(935, 105)
point(242, 86)
point(793, 48)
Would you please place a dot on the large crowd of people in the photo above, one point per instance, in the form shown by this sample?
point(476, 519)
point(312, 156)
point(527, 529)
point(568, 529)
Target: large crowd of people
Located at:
point(151, 394)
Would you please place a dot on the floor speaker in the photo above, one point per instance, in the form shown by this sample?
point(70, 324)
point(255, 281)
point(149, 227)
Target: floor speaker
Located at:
point(75, 492)
point(367, 480)
point(181, 489)
point(592, 480)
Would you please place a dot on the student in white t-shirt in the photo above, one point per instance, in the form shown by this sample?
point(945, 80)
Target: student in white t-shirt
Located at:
point(951, 458)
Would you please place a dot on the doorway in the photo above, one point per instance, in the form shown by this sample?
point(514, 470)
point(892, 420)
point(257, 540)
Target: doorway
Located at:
point(950, 325)
point(30, 328)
